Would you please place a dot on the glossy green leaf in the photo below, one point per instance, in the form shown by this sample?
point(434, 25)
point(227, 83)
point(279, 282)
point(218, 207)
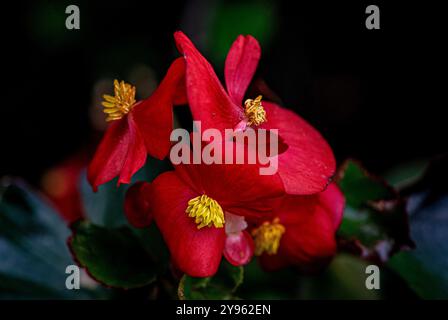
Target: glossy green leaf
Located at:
point(114, 257)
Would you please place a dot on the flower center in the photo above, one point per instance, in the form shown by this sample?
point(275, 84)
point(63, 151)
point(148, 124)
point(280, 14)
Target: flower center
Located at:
point(254, 111)
point(117, 106)
point(267, 237)
point(206, 212)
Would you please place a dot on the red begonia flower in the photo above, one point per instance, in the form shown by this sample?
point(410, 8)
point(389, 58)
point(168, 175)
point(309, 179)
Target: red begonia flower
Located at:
point(302, 232)
point(308, 164)
point(198, 207)
point(137, 128)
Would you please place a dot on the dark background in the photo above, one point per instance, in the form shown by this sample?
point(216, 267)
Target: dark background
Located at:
point(372, 93)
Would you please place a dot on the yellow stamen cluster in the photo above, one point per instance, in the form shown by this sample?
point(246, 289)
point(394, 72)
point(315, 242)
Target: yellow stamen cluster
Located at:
point(117, 106)
point(267, 237)
point(206, 212)
point(254, 111)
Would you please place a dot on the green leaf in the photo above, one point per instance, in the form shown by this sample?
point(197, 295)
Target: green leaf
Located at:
point(221, 286)
point(419, 276)
point(114, 257)
point(359, 187)
point(375, 219)
point(33, 250)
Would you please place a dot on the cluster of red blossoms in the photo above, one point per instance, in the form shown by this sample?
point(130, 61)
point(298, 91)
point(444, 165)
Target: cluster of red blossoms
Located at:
point(205, 211)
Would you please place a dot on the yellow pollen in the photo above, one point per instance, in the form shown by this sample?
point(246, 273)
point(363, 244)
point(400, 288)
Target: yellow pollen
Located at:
point(117, 106)
point(267, 237)
point(254, 111)
point(206, 212)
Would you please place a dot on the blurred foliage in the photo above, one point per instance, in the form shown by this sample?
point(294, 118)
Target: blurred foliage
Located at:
point(223, 285)
point(343, 279)
point(359, 188)
point(257, 18)
point(424, 268)
point(375, 220)
point(33, 250)
point(420, 275)
point(406, 174)
point(47, 26)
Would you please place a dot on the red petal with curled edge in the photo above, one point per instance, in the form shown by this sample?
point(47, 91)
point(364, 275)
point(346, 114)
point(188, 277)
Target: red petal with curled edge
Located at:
point(310, 225)
point(308, 164)
point(241, 64)
point(154, 116)
point(121, 153)
point(137, 205)
point(197, 252)
point(208, 100)
point(239, 248)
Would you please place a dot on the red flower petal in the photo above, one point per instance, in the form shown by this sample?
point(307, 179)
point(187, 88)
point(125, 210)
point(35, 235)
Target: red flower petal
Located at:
point(310, 223)
point(241, 63)
point(208, 100)
point(137, 205)
point(154, 116)
point(239, 248)
point(121, 153)
point(239, 188)
point(308, 164)
point(180, 95)
point(334, 201)
point(197, 252)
